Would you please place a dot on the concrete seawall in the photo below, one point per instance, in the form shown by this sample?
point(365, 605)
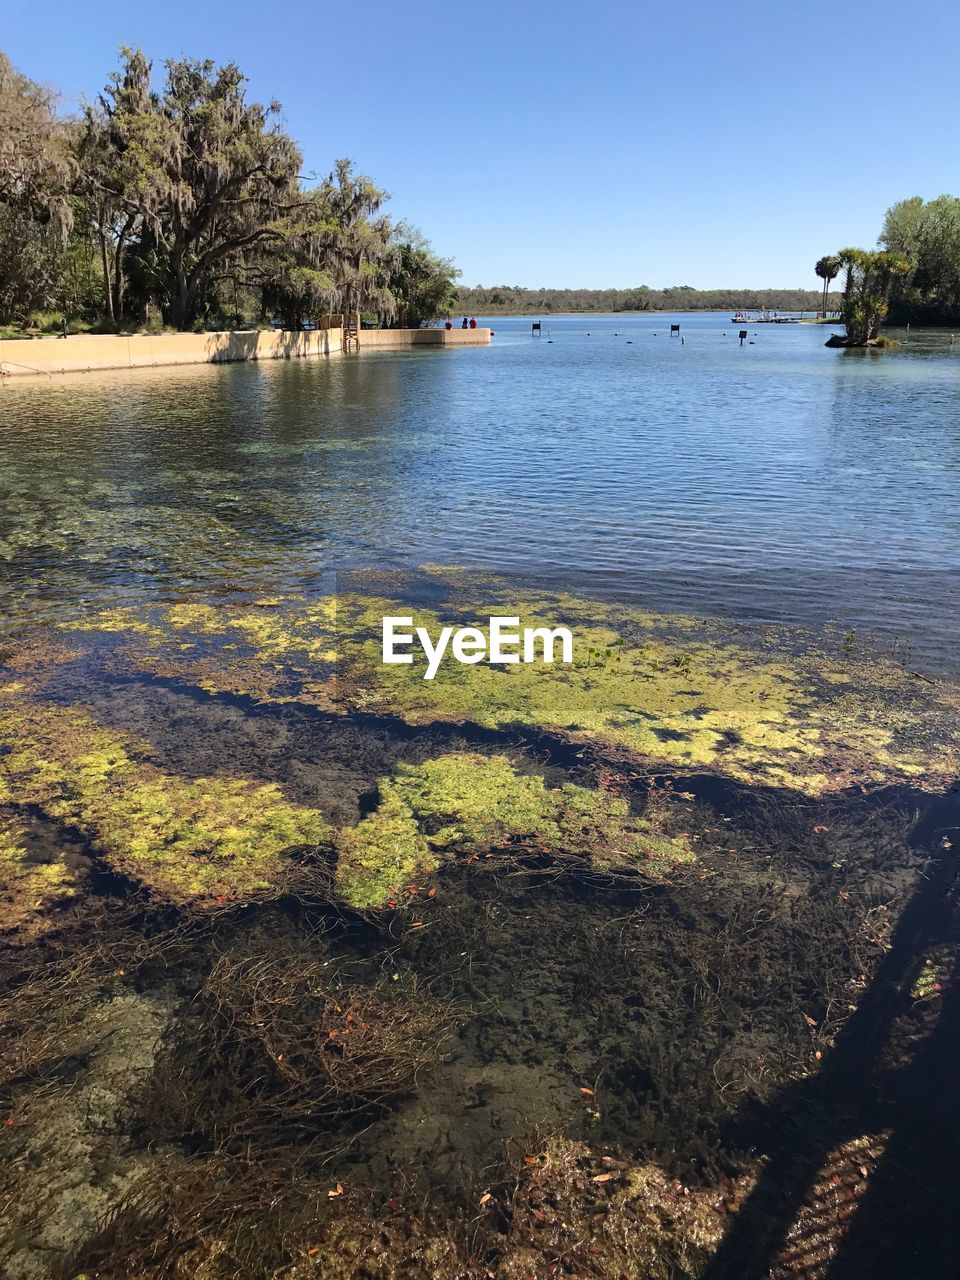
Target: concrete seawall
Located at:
point(85, 352)
point(424, 338)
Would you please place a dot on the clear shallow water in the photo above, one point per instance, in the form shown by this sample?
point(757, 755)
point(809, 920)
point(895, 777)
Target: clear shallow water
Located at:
point(778, 480)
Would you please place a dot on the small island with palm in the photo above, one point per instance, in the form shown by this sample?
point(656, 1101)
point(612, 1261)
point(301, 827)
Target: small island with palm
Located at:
point(912, 276)
point(870, 277)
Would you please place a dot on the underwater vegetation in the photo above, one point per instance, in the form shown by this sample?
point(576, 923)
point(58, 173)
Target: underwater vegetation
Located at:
point(766, 706)
point(220, 837)
point(185, 838)
point(474, 803)
point(310, 967)
point(762, 708)
point(550, 1074)
point(652, 692)
point(29, 884)
point(651, 1226)
point(280, 1049)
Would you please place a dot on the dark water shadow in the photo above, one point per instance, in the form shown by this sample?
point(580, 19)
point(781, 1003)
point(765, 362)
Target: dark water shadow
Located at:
point(323, 757)
point(556, 999)
point(906, 1224)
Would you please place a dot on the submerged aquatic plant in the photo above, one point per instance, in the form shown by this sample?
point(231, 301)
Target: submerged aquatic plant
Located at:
point(183, 837)
point(769, 710)
point(765, 706)
point(464, 802)
point(28, 885)
point(280, 1047)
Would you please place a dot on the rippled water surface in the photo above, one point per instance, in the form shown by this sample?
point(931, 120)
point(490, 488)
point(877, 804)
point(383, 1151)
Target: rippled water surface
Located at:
point(777, 479)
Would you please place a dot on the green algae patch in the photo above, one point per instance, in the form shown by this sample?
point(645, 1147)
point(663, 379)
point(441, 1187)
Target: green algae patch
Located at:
point(185, 838)
point(462, 802)
point(27, 886)
point(126, 620)
point(463, 799)
point(601, 822)
point(377, 856)
point(763, 707)
point(769, 706)
point(272, 629)
point(271, 650)
point(673, 701)
point(273, 632)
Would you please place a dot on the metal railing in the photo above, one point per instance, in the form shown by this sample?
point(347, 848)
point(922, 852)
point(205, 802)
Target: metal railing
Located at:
point(18, 365)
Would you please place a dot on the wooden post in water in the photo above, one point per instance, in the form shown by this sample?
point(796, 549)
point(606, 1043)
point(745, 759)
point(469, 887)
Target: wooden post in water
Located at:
point(743, 334)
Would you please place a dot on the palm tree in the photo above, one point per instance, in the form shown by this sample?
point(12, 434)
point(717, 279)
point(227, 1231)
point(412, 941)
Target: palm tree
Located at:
point(827, 268)
point(870, 276)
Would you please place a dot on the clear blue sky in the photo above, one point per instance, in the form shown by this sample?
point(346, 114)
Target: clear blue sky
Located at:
point(596, 144)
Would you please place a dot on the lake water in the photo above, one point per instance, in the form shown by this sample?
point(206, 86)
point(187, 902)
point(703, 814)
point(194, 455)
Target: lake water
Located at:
point(773, 480)
point(602, 952)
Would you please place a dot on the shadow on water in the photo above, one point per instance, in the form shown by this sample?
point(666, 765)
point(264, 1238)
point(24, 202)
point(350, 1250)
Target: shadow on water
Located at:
point(628, 1013)
point(191, 730)
point(906, 1223)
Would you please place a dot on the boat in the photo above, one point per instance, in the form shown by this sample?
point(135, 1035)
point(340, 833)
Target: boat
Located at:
point(763, 317)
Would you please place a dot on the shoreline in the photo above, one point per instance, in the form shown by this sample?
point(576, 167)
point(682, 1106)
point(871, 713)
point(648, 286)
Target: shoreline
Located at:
point(646, 311)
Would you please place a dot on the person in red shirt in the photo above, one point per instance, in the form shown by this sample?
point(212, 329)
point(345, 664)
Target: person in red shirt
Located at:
point(473, 322)
point(448, 325)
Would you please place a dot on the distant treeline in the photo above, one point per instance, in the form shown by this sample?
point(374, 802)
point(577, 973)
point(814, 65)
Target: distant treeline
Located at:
point(515, 300)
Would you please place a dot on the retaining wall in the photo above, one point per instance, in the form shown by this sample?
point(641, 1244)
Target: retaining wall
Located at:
point(81, 353)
